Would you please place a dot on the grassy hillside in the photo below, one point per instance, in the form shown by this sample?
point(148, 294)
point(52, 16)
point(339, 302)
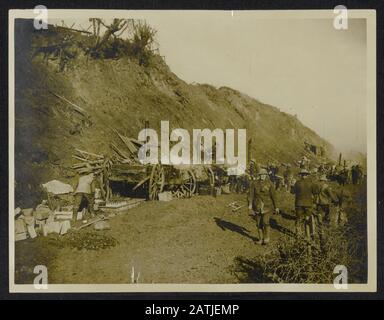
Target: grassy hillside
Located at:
point(120, 94)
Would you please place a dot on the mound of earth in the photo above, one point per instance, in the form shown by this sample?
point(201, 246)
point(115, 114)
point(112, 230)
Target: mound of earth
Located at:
point(120, 94)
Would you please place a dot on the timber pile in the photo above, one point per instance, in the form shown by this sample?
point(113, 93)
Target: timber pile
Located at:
point(132, 146)
point(90, 162)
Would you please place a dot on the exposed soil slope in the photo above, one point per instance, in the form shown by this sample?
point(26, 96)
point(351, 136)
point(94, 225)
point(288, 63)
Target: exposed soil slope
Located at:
point(121, 94)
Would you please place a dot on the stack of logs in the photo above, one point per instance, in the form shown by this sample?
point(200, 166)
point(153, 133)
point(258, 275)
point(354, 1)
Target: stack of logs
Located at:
point(90, 162)
point(129, 155)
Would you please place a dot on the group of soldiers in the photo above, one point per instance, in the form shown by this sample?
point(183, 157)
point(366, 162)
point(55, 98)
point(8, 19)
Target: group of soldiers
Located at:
point(314, 198)
point(282, 175)
point(316, 203)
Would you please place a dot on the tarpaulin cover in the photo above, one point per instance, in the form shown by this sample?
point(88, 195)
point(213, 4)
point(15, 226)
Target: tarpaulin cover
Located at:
point(57, 187)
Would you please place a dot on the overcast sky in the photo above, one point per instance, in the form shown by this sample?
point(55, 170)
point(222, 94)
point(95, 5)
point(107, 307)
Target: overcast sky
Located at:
point(303, 66)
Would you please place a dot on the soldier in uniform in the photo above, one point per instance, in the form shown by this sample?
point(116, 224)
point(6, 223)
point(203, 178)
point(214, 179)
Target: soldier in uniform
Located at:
point(261, 199)
point(360, 174)
point(253, 169)
point(340, 217)
point(304, 163)
point(288, 177)
point(354, 174)
point(84, 192)
point(323, 198)
point(304, 191)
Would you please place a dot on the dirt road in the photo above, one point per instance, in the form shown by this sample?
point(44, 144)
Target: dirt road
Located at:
point(195, 240)
point(183, 241)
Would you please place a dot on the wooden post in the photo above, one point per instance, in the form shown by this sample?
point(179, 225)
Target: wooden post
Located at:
point(340, 159)
point(146, 126)
point(249, 150)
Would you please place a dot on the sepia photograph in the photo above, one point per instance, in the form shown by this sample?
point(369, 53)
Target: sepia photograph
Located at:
point(169, 151)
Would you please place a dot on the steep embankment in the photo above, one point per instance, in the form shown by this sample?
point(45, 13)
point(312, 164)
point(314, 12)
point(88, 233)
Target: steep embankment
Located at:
point(120, 94)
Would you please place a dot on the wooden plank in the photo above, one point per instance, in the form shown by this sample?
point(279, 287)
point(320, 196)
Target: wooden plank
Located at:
point(131, 147)
point(120, 178)
point(86, 163)
point(238, 208)
point(141, 182)
point(129, 167)
point(102, 218)
point(99, 162)
point(79, 165)
point(74, 30)
point(119, 152)
point(119, 158)
point(91, 154)
point(137, 142)
point(75, 107)
point(85, 171)
point(79, 158)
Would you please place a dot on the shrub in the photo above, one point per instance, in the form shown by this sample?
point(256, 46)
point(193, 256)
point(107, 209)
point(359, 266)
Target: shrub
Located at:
point(142, 42)
point(289, 260)
point(139, 44)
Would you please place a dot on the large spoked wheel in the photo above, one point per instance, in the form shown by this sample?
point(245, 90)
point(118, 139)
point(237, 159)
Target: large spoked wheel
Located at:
point(210, 175)
point(156, 182)
point(188, 186)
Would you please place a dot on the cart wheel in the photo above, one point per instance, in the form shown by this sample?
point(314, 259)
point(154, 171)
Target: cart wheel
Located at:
point(188, 187)
point(210, 175)
point(156, 181)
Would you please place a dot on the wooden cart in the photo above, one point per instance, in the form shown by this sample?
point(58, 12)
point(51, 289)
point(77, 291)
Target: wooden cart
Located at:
point(154, 178)
point(123, 166)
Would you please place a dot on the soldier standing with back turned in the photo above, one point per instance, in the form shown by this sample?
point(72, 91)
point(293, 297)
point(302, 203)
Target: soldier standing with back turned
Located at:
point(304, 191)
point(324, 196)
point(85, 192)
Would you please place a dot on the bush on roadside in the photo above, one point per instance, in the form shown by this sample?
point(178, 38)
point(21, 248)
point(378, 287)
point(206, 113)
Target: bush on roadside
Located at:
point(289, 260)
